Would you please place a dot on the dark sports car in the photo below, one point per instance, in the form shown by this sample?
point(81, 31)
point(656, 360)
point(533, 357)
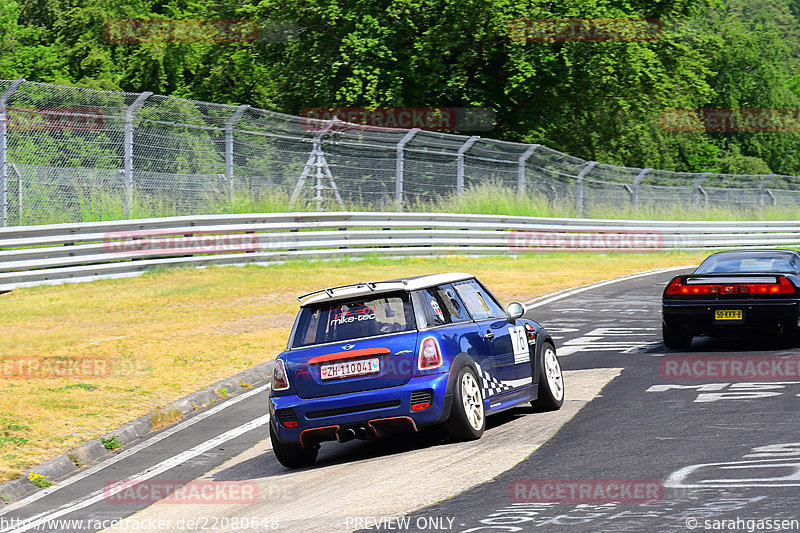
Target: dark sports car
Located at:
point(732, 293)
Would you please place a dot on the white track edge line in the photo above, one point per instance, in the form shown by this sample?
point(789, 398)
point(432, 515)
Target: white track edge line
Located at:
point(566, 293)
point(127, 453)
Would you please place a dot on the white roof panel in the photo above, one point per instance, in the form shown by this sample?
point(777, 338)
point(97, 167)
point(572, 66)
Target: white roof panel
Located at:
point(365, 288)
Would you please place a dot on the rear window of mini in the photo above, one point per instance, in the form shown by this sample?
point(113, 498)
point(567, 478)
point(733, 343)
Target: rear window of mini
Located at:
point(358, 318)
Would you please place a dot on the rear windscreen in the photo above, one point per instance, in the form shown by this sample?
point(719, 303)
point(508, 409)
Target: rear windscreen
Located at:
point(353, 319)
point(747, 263)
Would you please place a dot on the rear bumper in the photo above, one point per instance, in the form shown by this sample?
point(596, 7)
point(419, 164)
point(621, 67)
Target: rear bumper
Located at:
point(378, 412)
point(698, 316)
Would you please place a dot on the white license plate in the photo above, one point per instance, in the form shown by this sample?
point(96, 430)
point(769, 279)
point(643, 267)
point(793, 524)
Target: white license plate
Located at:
point(362, 367)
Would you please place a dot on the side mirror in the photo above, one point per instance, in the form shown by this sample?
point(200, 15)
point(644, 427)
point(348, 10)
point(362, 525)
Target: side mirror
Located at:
point(515, 310)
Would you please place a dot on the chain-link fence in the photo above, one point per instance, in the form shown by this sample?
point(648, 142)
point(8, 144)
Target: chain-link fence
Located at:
point(69, 154)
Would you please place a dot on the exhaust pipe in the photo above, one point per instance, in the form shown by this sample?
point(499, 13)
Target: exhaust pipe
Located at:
point(362, 432)
point(344, 435)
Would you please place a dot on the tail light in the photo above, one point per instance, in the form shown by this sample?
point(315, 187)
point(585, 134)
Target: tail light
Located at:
point(280, 381)
point(429, 354)
point(781, 286)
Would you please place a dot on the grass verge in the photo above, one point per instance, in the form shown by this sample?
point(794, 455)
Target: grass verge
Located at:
point(172, 332)
point(485, 198)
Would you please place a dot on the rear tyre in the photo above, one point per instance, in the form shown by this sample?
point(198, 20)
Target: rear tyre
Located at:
point(675, 339)
point(292, 455)
point(551, 381)
point(467, 419)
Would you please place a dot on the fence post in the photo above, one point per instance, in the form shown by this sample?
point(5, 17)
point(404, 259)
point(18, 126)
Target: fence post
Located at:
point(229, 144)
point(636, 181)
point(460, 163)
point(579, 186)
point(4, 153)
point(523, 159)
point(762, 188)
point(398, 179)
point(698, 188)
point(128, 149)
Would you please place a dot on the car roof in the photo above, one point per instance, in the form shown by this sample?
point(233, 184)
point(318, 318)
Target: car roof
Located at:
point(377, 287)
point(756, 252)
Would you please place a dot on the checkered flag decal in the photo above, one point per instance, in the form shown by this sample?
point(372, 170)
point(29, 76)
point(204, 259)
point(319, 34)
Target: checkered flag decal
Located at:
point(491, 386)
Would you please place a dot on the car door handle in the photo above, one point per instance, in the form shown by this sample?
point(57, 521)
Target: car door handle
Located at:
point(489, 335)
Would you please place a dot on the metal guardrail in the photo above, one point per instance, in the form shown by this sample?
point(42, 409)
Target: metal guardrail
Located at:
point(59, 253)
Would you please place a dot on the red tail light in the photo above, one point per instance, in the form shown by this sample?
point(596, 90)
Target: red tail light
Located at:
point(280, 381)
point(291, 424)
point(420, 406)
point(781, 286)
point(429, 354)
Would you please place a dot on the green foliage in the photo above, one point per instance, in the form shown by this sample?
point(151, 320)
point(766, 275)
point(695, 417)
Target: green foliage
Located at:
point(111, 443)
point(79, 386)
point(39, 480)
point(596, 100)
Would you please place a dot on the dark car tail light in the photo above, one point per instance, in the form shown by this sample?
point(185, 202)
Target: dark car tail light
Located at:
point(782, 285)
point(429, 354)
point(280, 381)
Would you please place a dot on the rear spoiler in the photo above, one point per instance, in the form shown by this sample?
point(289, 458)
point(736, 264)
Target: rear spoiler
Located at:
point(371, 285)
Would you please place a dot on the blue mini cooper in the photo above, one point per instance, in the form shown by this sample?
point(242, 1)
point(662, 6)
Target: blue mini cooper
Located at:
point(375, 358)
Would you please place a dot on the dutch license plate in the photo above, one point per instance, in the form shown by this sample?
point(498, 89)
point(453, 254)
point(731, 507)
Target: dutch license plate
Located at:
point(728, 314)
point(363, 367)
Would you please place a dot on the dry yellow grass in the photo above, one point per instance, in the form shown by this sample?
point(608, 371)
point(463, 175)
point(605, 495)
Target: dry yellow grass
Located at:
point(169, 333)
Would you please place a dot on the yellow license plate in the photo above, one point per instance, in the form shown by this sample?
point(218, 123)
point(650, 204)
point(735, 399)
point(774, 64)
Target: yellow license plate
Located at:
point(728, 314)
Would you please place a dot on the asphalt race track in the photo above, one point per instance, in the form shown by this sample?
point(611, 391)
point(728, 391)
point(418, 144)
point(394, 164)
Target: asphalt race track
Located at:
point(683, 451)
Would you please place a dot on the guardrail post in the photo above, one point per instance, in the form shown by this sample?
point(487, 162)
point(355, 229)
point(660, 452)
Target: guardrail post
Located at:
point(4, 153)
point(128, 149)
point(636, 181)
point(762, 188)
point(398, 180)
point(229, 144)
point(698, 189)
point(460, 163)
point(579, 186)
point(523, 159)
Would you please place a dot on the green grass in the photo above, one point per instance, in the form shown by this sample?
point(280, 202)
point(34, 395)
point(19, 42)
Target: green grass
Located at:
point(487, 198)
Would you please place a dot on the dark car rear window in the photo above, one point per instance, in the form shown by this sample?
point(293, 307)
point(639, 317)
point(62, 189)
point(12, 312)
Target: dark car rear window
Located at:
point(353, 319)
point(748, 263)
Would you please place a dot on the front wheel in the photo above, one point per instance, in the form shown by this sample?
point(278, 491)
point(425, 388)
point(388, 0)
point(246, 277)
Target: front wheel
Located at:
point(551, 381)
point(467, 418)
point(292, 455)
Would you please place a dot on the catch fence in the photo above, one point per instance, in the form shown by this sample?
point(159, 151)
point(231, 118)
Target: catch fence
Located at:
point(71, 154)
